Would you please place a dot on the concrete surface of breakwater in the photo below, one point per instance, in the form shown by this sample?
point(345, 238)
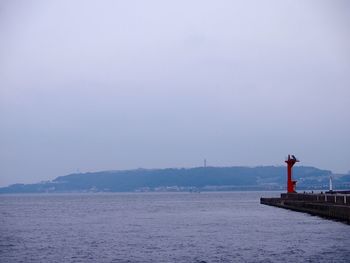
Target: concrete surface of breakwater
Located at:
point(333, 205)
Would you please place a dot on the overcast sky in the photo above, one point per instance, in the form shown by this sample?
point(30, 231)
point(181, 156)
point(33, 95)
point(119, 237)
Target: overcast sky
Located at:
point(100, 85)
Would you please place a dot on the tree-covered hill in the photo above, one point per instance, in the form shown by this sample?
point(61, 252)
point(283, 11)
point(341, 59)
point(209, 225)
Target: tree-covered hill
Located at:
point(184, 179)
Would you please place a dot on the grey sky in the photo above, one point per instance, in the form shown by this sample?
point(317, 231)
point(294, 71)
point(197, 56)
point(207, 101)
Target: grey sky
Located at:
point(99, 85)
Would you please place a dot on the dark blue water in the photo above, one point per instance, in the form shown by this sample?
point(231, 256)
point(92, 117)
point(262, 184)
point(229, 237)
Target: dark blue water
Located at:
point(164, 227)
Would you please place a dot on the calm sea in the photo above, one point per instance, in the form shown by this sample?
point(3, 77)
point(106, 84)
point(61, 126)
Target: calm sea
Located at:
point(164, 227)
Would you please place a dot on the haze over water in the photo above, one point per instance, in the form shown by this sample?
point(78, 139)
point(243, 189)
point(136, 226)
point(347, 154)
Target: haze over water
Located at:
point(113, 85)
point(164, 227)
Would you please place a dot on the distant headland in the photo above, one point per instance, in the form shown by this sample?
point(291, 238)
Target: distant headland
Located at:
point(185, 179)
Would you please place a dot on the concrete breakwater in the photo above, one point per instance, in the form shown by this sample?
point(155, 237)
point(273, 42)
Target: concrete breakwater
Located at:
point(333, 205)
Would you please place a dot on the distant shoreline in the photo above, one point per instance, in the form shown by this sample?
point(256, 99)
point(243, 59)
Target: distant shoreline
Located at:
point(198, 179)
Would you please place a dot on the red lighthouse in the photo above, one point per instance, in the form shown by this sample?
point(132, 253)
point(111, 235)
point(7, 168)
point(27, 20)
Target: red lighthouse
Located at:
point(290, 183)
